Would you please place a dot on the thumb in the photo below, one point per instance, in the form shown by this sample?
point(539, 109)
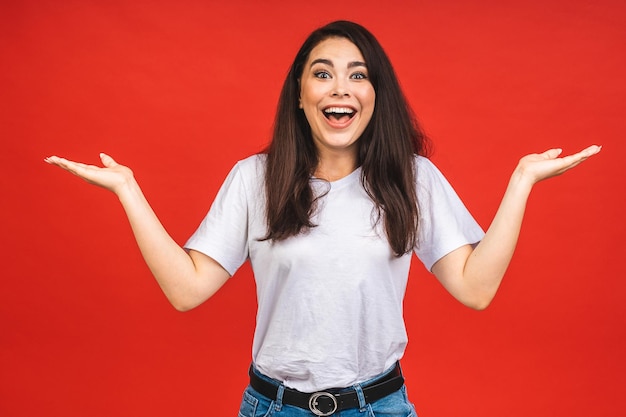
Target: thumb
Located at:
point(107, 161)
point(552, 153)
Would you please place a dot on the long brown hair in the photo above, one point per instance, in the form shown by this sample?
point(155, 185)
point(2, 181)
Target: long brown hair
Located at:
point(387, 148)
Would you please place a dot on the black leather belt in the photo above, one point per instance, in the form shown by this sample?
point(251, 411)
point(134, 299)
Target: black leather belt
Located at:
point(325, 403)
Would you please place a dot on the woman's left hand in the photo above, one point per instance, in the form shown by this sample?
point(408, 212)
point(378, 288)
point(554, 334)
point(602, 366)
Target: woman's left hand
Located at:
point(473, 274)
point(538, 167)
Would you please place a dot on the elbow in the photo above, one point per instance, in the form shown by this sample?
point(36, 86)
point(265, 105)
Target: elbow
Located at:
point(479, 306)
point(481, 297)
point(182, 307)
point(182, 304)
point(192, 291)
point(479, 303)
point(185, 301)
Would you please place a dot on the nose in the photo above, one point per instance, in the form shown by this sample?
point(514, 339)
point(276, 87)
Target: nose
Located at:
point(340, 88)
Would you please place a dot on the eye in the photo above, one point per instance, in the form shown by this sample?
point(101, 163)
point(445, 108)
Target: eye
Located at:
point(321, 74)
point(359, 76)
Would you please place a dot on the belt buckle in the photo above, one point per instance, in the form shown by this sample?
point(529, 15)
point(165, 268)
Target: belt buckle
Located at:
point(314, 403)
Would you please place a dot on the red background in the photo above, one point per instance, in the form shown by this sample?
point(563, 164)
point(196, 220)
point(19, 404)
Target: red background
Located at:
point(181, 90)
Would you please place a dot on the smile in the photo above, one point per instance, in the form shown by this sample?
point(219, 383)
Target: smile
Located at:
point(339, 114)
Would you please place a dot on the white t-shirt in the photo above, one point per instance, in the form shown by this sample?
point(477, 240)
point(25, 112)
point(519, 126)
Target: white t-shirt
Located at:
point(329, 300)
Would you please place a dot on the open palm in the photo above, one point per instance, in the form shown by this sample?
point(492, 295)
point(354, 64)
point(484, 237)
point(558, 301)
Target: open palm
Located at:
point(111, 176)
point(538, 167)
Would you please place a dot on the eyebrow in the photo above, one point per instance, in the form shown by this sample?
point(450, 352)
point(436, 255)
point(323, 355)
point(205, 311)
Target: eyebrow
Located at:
point(330, 63)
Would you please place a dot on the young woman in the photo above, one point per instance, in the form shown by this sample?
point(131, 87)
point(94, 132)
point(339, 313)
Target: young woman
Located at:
point(329, 217)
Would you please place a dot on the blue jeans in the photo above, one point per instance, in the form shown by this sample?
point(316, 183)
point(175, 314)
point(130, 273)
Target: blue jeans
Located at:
point(395, 404)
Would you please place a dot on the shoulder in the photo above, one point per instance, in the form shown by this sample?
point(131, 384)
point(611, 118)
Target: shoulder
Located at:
point(424, 163)
point(425, 169)
point(250, 171)
point(251, 167)
point(252, 163)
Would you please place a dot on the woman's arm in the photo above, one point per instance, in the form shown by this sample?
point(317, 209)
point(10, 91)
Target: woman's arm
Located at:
point(187, 279)
point(473, 275)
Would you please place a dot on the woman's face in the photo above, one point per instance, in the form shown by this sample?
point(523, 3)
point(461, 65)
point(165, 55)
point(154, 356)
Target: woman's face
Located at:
point(336, 95)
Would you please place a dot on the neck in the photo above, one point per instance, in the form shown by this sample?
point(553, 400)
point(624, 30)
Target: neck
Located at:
point(335, 168)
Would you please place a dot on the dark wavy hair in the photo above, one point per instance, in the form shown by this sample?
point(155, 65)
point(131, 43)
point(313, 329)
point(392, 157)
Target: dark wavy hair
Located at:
point(386, 149)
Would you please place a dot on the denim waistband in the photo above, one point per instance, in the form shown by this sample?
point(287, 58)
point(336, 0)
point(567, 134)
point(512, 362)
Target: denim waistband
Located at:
point(363, 383)
point(326, 402)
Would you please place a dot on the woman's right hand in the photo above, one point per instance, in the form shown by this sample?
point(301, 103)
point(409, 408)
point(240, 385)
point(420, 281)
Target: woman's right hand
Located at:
point(187, 279)
point(112, 176)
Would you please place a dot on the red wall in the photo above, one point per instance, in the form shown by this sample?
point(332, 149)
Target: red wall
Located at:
point(181, 90)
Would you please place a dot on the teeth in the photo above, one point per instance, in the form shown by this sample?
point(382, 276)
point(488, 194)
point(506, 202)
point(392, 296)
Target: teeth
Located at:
point(345, 110)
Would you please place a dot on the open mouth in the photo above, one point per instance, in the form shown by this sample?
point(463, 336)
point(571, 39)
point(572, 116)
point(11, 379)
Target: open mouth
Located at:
point(339, 114)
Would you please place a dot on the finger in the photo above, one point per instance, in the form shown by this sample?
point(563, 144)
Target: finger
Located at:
point(591, 150)
point(63, 163)
point(552, 153)
point(107, 161)
point(76, 168)
point(60, 162)
point(571, 161)
point(52, 160)
point(581, 156)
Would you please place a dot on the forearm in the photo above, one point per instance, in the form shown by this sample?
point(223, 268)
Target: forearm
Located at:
point(172, 267)
point(474, 275)
point(488, 262)
point(186, 279)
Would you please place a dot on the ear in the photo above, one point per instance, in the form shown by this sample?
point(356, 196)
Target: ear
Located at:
point(299, 98)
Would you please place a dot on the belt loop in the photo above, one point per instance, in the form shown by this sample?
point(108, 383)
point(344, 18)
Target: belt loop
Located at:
point(361, 397)
point(279, 397)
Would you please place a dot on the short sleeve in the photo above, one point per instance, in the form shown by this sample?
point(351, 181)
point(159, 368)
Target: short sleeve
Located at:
point(445, 223)
point(223, 233)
